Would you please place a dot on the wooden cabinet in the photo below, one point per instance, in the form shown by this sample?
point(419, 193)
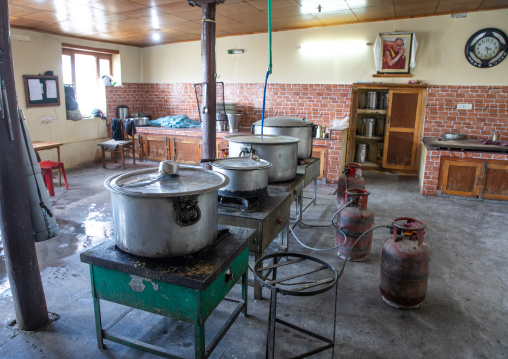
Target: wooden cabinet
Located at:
point(155, 148)
point(473, 177)
point(389, 134)
point(182, 149)
point(320, 152)
point(186, 150)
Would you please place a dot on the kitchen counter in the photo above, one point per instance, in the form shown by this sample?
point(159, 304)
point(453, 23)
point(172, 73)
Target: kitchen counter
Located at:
point(461, 145)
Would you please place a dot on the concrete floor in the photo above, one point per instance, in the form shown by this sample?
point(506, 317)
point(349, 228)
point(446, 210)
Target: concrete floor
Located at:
point(463, 316)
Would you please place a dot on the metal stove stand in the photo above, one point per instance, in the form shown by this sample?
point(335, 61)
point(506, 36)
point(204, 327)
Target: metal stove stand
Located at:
point(306, 173)
point(271, 219)
point(186, 291)
point(303, 276)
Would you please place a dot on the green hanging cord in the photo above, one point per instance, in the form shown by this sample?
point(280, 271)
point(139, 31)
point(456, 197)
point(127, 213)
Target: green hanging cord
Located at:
point(270, 34)
point(269, 71)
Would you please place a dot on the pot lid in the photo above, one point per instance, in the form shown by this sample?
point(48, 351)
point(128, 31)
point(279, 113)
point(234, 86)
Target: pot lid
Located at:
point(262, 139)
point(241, 163)
point(147, 183)
point(284, 121)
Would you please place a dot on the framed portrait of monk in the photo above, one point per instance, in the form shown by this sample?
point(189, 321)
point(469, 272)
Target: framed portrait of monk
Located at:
point(396, 53)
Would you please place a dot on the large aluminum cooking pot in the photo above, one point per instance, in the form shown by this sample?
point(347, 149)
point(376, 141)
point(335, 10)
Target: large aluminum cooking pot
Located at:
point(280, 151)
point(248, 176)
point(167, 212)
point(289, 126)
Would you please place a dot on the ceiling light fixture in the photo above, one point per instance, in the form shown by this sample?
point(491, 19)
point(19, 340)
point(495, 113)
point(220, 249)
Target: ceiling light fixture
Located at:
point(156, 36)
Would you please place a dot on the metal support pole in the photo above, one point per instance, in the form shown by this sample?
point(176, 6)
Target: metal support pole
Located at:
point(209, 81)
point(16, 226)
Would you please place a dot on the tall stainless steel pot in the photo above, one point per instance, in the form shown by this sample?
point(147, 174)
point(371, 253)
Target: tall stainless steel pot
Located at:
point(248, 177)
point(167, 212)
point(280, 151)
point(289, 126)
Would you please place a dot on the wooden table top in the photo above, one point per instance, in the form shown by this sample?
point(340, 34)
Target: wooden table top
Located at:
point(45, 145)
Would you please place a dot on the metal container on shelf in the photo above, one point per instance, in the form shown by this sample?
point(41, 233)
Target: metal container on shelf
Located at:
point(372, 100)
point(369, 126)
point(361, 152)
point(382, 102)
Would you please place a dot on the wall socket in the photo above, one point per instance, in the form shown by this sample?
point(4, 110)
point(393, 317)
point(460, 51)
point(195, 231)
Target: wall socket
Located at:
point(464, 106)
point(46, 119)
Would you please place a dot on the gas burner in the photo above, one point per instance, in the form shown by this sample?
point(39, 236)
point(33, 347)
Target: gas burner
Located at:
point(240, 203)
point(192, 257)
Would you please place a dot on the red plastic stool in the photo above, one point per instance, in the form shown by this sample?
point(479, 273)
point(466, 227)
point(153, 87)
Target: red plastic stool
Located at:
point(47, 168)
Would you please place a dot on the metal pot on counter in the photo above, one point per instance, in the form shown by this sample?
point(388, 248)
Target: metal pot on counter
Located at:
point(167, 212)
point(289, 126)
point(141, 120)
point(248, 176)
point(280, 151)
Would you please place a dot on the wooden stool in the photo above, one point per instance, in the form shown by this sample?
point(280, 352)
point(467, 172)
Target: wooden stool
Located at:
point(47, 168)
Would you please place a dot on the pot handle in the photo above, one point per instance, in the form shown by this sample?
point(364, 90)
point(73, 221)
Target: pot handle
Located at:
point(247, 151)
point(187, 211)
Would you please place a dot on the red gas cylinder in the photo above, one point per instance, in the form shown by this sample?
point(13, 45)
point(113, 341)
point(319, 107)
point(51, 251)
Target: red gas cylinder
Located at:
point(405, 263)
point(353, 220)
point(351, 178)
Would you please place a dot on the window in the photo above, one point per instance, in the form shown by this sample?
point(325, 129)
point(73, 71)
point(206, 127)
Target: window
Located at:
point(83, 69)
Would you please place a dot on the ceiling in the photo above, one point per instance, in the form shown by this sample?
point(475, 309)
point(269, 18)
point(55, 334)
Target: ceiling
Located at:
point(132, 22)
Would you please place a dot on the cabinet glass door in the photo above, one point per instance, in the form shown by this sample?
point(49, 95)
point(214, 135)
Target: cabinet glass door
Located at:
point(401, 131)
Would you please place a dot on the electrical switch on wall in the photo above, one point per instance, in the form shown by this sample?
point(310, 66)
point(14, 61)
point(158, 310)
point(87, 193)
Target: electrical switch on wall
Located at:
point(464, 106)
point(46, 119)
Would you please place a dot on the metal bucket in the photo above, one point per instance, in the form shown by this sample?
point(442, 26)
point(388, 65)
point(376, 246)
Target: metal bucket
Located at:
point(122, 112)
point(369, 126)
point(361, 152)
point(233, 122)
point(222, 122)
point(372, 100)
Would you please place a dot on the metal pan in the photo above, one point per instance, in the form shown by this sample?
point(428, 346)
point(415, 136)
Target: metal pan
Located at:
point(452, 136)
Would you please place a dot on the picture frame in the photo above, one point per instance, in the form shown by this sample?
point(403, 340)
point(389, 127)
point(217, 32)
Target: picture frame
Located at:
point(392, 44)
point(41, 90)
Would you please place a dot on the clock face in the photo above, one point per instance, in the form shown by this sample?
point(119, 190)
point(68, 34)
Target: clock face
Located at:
point(486, 48)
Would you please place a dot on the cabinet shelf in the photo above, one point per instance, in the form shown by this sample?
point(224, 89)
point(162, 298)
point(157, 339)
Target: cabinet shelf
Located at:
point(370, 112)
point(370, 164)
point(372, 138)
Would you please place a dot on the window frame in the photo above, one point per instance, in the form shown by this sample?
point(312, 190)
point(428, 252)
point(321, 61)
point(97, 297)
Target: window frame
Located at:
point(98, 56)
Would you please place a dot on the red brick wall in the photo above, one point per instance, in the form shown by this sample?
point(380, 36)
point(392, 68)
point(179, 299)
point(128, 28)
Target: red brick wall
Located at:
point(489, 112)
point(433, 161)
point(320, 104)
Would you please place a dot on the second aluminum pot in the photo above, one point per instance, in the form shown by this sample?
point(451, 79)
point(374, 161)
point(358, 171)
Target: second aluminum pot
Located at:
point(289, 126)
point(170, 212)
point(280, 151)
point(248, 177)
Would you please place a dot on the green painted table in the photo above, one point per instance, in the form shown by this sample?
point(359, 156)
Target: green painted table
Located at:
point(177, 289)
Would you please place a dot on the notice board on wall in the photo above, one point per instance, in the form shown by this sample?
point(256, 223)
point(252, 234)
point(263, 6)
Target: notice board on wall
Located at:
point(41, 90)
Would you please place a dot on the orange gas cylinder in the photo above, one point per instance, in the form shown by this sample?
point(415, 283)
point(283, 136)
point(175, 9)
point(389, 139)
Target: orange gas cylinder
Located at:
point(351, 178)
point(353, 220)
point(405, 264)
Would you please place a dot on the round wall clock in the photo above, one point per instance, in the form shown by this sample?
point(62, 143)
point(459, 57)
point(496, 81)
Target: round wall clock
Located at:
point(486, 48)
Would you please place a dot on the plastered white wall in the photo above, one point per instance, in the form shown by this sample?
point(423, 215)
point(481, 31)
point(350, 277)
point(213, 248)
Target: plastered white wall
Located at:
point(43, 52)
point(338, 54)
